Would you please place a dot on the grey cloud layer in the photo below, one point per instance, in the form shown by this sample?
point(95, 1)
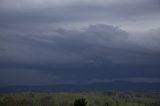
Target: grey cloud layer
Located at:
point(64, 40)
point(125, 13)
point(101, 42)
point(100, 51)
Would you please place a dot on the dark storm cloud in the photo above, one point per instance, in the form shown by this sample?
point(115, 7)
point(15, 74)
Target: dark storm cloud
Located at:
point(67, 43)
point(64, 41)
point(98, 51)
point(92, 44)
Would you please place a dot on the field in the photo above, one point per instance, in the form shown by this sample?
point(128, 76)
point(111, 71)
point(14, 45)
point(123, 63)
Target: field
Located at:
point(107, 98)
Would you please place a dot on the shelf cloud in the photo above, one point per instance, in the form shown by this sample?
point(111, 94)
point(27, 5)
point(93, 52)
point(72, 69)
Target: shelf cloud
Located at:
point(61, 41)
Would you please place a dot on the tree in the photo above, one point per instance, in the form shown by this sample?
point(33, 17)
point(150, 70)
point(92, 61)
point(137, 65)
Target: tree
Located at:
point(80, 102)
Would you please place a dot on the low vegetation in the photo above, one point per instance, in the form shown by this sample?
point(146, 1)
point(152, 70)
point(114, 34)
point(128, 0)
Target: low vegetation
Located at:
point(108, 98)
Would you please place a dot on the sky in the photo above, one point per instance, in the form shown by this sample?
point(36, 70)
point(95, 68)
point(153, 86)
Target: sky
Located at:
point(45, 42)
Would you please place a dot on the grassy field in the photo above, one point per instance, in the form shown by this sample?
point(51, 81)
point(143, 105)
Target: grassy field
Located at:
point(107, 98)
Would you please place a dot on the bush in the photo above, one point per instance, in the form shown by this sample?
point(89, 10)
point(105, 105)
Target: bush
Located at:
point(80, 102)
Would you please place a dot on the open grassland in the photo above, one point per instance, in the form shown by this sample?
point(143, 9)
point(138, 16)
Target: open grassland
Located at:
point(107, 98)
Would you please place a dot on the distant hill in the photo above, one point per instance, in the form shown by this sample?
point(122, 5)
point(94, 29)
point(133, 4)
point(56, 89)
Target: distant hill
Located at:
point(116, 85)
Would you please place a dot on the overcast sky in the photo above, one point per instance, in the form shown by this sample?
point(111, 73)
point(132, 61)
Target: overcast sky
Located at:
point(79, 41)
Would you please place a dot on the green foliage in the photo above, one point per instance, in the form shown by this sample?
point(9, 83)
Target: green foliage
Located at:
point(9, 101)
point(80, 102)
point(68, 99)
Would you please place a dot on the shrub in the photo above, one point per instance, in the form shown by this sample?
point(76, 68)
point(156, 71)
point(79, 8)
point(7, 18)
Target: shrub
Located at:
point(80, 102)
